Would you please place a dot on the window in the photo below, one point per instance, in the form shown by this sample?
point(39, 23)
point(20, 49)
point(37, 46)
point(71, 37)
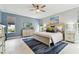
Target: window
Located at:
point(11, 28)
point(11, 24)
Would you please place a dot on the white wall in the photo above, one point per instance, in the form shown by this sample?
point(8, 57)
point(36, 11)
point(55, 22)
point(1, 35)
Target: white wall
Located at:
point(69, 16)
point(65, 17)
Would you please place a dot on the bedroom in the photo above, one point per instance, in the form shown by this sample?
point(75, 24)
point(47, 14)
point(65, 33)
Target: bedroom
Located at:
point(29, 22)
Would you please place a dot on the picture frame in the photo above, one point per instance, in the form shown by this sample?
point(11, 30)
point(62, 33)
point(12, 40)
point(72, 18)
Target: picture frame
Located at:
point(55, 19)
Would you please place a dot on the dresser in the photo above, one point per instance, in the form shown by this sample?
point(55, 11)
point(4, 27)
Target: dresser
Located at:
point(70, 36)
point(70, 32)
point(27, 32)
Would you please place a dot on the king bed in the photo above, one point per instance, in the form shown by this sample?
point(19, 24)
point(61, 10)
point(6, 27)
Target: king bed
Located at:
point(47, 37)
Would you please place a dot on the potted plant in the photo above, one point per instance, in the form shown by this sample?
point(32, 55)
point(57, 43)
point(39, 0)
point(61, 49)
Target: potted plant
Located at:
point(29, 26)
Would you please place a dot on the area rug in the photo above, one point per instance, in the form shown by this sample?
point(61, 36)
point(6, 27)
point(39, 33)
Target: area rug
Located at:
point(41, 48)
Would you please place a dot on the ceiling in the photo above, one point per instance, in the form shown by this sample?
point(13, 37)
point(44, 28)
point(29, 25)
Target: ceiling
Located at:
point(24, 9)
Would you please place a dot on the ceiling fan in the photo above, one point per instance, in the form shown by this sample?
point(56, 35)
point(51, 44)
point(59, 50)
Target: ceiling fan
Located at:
point(38, 7)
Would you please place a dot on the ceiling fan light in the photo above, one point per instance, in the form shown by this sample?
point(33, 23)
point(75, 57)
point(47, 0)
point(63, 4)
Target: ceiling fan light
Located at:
point(37, 10)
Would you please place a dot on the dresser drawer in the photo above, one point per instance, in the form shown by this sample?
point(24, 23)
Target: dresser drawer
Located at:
point(70, 37)
point(27, 32)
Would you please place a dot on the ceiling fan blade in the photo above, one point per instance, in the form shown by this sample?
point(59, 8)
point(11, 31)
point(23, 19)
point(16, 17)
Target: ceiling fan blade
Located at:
point(43, 10)
point(34, 5)
point(43, 6)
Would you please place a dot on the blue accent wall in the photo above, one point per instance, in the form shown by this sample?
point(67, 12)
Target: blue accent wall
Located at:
point(0, 17)
point(19, 21)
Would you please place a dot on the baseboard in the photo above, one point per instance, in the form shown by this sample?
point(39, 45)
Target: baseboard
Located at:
point(13, 37)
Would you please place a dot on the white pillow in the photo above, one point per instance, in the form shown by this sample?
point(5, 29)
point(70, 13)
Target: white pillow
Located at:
point(60, 28)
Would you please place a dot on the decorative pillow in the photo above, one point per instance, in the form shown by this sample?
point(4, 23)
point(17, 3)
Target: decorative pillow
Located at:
point(60, 27)
point(51, 29)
